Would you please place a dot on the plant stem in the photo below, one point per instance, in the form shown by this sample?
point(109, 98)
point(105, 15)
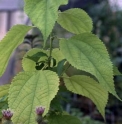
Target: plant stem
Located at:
point(50, 55)
point(58, 38)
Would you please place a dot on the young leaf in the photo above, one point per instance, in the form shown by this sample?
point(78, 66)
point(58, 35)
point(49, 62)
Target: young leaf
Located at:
point(86, 86)
point(86, 52)
point(57, 54)
point(63, 119)
point(75, 20)
point(13, 38)
point(43, 14)
point(29, 90)
point(4, 90)
point(32, 57)
point(60, 67)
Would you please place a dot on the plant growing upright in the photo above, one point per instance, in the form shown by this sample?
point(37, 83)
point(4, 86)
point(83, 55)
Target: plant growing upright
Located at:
point(39, 83)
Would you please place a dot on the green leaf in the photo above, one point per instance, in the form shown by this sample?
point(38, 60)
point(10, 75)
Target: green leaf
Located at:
point(56, 104)
point(3, 105)
point(60, 67)
point(32, 57)
point(4, 90)
point(38, 55)
point(13, 38)
point(86, 86)
point(43, 14)
point(57, 54)
point(29, 90)
point(73, 71)
point(64, 119)
point(116, 71)
point(86, 52)
point(75, 20)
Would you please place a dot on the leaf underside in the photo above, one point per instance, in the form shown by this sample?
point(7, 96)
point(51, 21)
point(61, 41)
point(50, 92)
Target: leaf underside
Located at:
point(43, 14)
point(29, 90)
point(75, 21)
point(86, 86)
point(13, 38)
point(86, 52)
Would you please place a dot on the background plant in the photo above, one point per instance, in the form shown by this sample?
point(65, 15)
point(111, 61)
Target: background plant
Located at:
point(45, 70)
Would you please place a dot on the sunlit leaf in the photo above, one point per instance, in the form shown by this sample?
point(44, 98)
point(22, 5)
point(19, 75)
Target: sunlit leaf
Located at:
point(75, 20)
point(57, 54)
point(86, 86)
point(86, 52)
point(43, 14)
point(4, 90)
point(32, 57)
point(13, 38)
point(29, 90)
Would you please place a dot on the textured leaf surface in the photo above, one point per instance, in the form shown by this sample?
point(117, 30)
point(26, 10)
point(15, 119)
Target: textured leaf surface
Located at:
point(13, 38)
point(31, 57)
point(64, 119)
point(29, 90)
point(86, 52)
point(4, 90)
point(88, 87)
point(57, 54)
point(75, 20)
point(43, 13)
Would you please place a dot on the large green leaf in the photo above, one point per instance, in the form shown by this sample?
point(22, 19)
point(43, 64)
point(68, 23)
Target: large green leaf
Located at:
point(4, 90)
point(88, 87)
point(75, 20)
point(43, 13)
point(13, 38)
point(86, 52)
point(32, 57)
point(63, 119)
point(29, 90)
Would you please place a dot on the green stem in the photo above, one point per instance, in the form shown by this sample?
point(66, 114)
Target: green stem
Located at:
point(50, 54)
point(58, 38)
